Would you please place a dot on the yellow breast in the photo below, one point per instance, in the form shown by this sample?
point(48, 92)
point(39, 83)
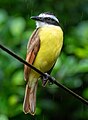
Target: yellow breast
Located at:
point(51, 40)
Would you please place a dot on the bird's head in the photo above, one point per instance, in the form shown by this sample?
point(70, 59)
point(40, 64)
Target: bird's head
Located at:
point(45, 19)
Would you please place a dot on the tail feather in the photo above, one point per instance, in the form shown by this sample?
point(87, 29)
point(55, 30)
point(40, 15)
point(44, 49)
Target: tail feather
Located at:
point(26, 104)
point(30, 99)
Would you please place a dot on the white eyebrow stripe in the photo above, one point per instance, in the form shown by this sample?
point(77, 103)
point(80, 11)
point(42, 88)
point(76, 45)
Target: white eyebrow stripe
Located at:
point(50, 16)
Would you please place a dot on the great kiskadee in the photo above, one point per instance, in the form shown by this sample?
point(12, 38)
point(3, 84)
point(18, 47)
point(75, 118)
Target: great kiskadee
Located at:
point(43, 49)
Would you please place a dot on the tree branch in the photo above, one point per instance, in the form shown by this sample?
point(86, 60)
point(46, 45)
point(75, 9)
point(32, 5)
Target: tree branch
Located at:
point(51, 79)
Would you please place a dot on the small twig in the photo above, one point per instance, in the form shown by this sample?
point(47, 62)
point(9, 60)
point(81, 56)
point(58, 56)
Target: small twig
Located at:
point(51, 79)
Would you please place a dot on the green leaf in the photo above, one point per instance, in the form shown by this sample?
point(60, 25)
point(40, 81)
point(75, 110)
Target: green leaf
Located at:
point(3, 16)
point(3, 117)
point(72, 82)
point(17, 78)
point(13, 100)
point(17, 26)
point(85, 93)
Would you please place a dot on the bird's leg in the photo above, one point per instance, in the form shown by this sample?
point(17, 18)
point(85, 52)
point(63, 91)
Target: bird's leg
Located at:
point(45, 80)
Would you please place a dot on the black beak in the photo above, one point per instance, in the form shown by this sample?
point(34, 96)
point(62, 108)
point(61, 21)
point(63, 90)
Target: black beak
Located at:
point(37, 18)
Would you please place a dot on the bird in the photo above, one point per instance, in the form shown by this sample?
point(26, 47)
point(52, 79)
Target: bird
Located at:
point(43, 49)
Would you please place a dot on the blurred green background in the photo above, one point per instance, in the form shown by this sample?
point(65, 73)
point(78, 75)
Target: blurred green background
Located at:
point(71, 68)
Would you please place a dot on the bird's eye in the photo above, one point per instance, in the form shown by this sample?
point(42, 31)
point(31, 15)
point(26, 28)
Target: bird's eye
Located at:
point(40, 18)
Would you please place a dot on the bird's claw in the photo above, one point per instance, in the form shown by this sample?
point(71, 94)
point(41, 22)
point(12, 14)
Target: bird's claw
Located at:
point(45, 80)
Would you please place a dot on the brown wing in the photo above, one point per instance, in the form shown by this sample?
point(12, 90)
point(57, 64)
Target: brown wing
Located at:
point(32, 50)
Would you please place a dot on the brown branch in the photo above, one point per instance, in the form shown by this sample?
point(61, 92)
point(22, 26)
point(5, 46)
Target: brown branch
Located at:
point(51, 79)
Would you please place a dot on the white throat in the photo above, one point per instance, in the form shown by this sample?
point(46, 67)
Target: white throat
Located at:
point(41, 24)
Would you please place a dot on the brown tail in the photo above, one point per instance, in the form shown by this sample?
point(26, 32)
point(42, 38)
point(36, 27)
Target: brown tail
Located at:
point(30, 99)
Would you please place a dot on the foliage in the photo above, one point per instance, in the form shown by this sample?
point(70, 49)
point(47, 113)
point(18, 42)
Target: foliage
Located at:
point(71, 68)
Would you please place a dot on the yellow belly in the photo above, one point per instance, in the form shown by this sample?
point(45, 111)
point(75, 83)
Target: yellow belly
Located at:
point(51, 40)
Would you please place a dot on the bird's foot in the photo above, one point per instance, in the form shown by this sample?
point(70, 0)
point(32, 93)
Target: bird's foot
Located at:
point(45, 80)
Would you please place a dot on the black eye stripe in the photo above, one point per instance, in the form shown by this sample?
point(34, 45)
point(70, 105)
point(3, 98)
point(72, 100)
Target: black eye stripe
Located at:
point(49, 20)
